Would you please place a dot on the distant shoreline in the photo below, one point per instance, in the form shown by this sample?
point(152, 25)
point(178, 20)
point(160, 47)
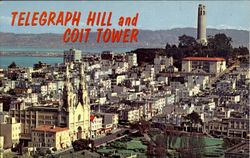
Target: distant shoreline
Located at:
point(37, 54)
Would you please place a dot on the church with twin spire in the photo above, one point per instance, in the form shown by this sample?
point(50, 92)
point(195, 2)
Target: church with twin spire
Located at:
point(75, 107)
point(71, 112)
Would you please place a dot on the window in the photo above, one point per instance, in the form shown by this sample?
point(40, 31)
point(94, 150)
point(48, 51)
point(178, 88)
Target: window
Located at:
point(232, 124)
point(47, 122)
point(237, 125)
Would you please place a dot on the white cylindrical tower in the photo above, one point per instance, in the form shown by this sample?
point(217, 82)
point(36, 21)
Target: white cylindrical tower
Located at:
point(201, 27)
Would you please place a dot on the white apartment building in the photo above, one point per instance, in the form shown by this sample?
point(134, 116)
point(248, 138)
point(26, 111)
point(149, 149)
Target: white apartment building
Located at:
point(10, 130)
point(95, 125)
point(226, 85)
point(198, 80)
point(50, 136)
point(209, 65)
point(130, 115)
point(163, 60)
point(132, 60)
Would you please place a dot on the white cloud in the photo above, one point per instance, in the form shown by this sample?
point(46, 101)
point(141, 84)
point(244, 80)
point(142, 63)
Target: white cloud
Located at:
point(179, 26)
point(224, 26)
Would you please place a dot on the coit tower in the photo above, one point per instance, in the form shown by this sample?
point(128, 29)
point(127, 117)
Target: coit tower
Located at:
point(201, 28)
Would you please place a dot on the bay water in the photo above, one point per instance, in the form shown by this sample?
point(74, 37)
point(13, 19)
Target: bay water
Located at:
point(29, 61)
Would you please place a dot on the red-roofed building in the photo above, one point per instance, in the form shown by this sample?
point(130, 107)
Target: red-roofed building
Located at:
point(50, 136)
point(203, 64)
point(95, 126)
point(204, 59)
point(92, 117)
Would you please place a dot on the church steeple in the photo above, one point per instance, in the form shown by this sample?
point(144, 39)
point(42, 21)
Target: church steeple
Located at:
point(82, 76)
point(82, 93)
point(67, 90)
point(67, 72)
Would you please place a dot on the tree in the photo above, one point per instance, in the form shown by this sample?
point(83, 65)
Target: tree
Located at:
point(185, 41)
point(143, 126)
point(219, 41)
point(193, 119)
point(81, 144)
point(241, 51)
point(168, 46)
point(38, 65)
point(220, 46)
point(12, 92)
point(161, 149)
point(12, 65)
point(150, 148)
point(191, 146)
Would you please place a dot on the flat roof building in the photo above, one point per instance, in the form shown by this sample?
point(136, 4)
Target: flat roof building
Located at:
point(72, 55)
point(203, 64)
point(50, 136)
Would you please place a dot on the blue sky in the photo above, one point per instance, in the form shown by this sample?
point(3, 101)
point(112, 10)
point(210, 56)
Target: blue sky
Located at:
point(157, 15)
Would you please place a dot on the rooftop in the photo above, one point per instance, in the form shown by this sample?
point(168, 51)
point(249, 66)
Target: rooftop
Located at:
point(48, 128)
point(204, 59)
point(92, 117)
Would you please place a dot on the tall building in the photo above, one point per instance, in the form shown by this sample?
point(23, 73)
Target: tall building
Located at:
point(201, 27)
point(72, 55)
point(132, 60)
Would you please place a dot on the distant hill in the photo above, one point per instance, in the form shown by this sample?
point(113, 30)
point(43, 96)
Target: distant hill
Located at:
point(146, 39)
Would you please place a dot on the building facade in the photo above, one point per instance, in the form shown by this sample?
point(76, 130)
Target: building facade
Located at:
point(203, 65)
point(95, 126)
point(50, 136)
point(72, 55)
point(132, 60)
point(10, 131)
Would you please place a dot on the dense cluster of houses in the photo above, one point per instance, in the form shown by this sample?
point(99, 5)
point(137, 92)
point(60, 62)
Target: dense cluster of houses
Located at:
point(86, 97)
